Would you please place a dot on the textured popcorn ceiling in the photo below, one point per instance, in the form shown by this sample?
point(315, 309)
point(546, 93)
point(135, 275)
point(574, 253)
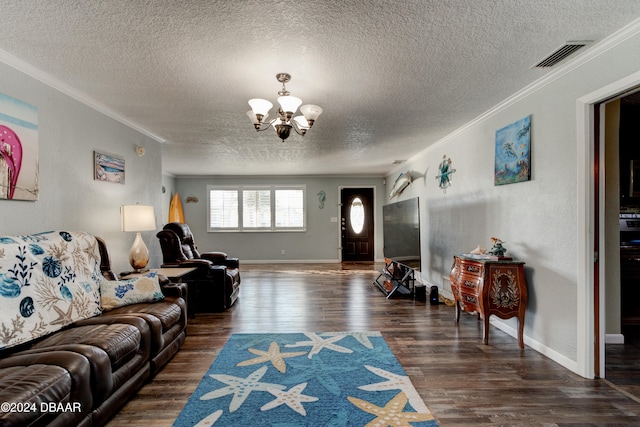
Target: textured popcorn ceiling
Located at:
point(392, 76)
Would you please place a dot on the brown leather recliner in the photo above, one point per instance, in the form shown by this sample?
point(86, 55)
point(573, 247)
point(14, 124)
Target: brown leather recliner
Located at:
point(215, 284)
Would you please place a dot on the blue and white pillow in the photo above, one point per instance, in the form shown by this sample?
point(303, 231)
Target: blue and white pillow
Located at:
point(118, 293)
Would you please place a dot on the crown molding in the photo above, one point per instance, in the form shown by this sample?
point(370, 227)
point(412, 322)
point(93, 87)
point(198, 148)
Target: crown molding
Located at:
point(64, 88)
point(597, 49)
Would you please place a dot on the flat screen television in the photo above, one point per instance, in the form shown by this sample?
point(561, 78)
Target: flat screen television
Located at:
point(401, 232)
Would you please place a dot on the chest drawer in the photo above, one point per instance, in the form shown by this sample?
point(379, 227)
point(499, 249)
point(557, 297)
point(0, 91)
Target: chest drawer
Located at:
point(472, 269)
point(469, 284)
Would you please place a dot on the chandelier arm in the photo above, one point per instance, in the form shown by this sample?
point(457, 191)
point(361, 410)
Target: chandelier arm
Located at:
point(295, 127)
point(266, 125)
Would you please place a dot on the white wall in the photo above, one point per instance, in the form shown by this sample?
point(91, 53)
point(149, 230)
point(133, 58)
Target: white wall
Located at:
point(319, 243)
point(69, 132)
point(538, 219)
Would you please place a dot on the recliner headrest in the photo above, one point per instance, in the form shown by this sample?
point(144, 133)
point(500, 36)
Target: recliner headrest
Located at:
point(182, 230)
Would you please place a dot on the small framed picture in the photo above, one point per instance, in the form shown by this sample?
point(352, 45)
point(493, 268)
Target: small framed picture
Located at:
point(108, 168)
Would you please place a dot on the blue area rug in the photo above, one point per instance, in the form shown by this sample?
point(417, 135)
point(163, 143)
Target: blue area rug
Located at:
point(306, 379)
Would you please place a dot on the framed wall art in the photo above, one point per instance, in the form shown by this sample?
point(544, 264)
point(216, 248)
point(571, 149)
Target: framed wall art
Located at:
point(108, 168)
point(513, 153)
point(19, 169)
point(445, 171)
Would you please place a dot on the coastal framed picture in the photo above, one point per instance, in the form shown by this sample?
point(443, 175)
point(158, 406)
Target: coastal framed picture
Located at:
point(513, 153)
point(108, 168)
point(19, 168)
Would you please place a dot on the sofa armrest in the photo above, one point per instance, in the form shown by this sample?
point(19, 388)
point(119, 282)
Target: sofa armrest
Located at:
point(221, 258)
point(22, 385)
point(177, 290)
point(233, 263)
point(218, 273)
point(217, 258)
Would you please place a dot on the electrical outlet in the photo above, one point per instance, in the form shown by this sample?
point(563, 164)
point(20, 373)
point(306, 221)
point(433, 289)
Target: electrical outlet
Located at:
point(283, 252)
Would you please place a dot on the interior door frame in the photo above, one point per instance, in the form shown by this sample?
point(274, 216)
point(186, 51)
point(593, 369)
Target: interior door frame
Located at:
point(590, 204)
point(375, 217)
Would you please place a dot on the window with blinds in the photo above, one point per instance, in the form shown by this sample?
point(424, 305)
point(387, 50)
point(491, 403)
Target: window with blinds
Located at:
point(256, 209)
point(289, 208)
point(246, 208)
point(223, 209)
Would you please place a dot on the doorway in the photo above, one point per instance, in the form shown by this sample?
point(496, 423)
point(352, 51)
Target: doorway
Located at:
point(622, 229)
point(357, 224)
point(590, 298)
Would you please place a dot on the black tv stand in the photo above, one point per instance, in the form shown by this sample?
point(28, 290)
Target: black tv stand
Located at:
point(396, 279)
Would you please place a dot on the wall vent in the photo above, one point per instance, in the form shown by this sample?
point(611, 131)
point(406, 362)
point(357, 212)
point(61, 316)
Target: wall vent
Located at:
point(561, 53)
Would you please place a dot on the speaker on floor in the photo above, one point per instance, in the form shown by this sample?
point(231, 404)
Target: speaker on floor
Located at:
point(434, 298)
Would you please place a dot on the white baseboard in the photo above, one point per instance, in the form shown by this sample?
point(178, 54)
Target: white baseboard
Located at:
point(559, 358)
point(614, 339)
point(445, 289)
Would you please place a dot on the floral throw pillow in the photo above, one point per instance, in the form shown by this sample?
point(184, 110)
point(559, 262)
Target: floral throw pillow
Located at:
point(118, 293)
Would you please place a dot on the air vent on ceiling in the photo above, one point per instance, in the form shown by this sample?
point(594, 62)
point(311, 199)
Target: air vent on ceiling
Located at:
point(561, 53)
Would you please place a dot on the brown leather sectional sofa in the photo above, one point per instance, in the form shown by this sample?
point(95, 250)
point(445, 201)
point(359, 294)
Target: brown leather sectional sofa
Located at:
point(82, 374)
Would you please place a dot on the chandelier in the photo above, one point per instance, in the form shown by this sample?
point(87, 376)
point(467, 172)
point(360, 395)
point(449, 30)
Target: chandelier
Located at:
point(285, 121)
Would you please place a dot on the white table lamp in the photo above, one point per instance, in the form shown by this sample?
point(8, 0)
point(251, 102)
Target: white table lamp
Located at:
point(138, 218)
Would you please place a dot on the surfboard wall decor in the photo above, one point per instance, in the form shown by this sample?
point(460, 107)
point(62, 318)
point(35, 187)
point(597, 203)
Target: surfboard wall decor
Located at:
point(176, 214)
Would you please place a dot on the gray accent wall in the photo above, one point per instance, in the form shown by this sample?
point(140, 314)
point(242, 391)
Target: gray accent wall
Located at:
point(319, 243)
point(68, 132)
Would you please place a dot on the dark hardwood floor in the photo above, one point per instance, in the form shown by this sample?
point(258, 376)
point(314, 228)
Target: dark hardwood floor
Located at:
point(462, 381)
point(622, 369)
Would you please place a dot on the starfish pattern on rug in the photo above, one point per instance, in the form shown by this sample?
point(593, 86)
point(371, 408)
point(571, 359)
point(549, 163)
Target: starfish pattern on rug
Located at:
point(323, 373)
point(362, 337)
point(392, 413)
point(345, 382)
point(396, 382)
point(318, 343)
point(209, 419)
point(240, 387)
point(272, 355)
point(292, 398)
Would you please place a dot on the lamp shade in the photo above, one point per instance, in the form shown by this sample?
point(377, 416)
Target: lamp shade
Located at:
point(289, 104)
point(260, 106)
point(137, 218)
point(310, 112)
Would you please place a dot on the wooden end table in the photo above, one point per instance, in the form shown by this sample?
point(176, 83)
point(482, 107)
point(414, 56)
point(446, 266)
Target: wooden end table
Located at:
point(173, 274)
